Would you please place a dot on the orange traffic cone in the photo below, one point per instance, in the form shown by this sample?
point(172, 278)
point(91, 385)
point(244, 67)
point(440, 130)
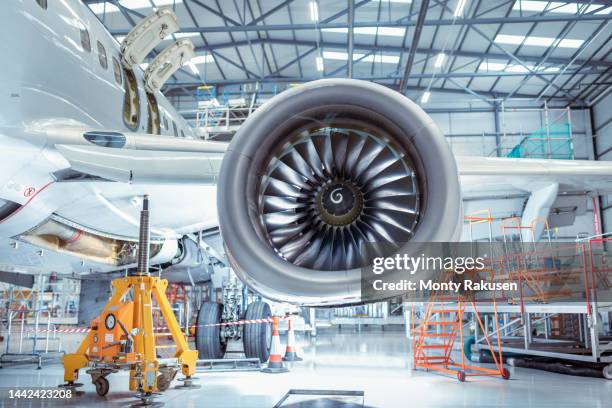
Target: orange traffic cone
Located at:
point(291, 351)
point(275, 362)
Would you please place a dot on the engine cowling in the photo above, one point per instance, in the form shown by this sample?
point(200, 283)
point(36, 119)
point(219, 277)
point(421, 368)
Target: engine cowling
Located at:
point(321, 171)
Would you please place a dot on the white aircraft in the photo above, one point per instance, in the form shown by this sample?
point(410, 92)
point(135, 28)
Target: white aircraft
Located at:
point(308, 180)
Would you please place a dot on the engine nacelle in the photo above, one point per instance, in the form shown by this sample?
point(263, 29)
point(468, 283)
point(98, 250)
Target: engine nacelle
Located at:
point(322, 171)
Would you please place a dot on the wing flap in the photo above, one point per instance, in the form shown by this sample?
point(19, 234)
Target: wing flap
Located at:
point(485, 176)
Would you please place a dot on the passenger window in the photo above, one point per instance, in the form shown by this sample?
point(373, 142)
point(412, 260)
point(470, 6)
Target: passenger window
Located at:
point(166, 124)
point(85, 41)
point(182, 133)
point(102, 55)
point(117, 70)
point(42, 3)
point(131, 101)
point(174, 129)
point(153, 124)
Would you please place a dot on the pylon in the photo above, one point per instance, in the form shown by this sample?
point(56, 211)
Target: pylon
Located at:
point(291, 351)
point(275, 362)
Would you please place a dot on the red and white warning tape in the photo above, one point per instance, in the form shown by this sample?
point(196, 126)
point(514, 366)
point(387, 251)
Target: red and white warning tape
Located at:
point(237, 323)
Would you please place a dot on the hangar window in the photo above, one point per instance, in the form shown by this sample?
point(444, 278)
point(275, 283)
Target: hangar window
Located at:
point(85, 40)
point(174, 129)
point(131, 101)
point(153, 124)
point(117, 70)
point(42, 3)
point(102, 55)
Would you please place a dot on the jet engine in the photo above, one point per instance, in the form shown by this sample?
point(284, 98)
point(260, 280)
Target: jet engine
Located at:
point(319, 175)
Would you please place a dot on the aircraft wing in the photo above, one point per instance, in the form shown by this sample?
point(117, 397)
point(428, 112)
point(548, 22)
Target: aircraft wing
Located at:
point(490, 176)
point(143, 158)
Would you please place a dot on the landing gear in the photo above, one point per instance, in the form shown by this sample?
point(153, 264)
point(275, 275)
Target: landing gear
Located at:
point(257, 337)
point(209, 340)
point(607, 372)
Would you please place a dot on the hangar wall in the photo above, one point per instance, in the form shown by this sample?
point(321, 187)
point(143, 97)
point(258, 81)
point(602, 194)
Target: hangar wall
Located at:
point(602, 132)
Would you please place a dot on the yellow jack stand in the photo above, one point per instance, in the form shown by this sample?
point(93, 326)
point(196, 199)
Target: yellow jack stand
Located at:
point(109, 348)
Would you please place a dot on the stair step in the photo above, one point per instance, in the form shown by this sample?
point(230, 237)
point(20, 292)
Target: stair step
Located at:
point(430, 359)
point(438, 334)
point(441, 322)
point(434, 346)
point(444, 311)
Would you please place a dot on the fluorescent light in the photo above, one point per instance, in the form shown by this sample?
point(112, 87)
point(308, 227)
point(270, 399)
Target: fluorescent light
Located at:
point(202, 59)
point(314, 11)
point(144, 66)
point(459, 8)
point(559, 7)
point(381, 30)
point(537, 41)
point(320, 66)
point(440, 60)
point(120, 38)
point(425, 97)
point(390, 59)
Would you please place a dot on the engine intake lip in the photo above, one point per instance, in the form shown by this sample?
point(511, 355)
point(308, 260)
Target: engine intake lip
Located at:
point(264, 135)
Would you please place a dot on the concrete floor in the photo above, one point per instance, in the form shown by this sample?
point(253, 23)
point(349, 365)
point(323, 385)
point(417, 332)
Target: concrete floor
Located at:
point(371, 361)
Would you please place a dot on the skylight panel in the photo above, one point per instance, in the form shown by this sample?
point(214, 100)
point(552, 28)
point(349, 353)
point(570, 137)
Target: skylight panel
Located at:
point(559, 7)
point(185, 35)
point(386, 31)
point(202, 59)
point(537, 41)
point(100, 8)
point(493, 66)
point(343, 56)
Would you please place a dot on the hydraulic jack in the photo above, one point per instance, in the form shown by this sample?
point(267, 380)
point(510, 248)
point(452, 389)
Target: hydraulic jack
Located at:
point(123, 338)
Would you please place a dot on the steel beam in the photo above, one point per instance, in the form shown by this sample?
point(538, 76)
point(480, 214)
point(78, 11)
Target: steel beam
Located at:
point(443, 22)
point(413, 46)
point(399, 49)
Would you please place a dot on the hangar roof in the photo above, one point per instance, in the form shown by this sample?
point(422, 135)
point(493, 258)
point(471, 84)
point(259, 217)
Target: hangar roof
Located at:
point(548, 51)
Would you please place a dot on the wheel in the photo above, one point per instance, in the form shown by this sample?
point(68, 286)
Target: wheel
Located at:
point(461, 375)
point(257, 337)
point(101, 386)
point(607, 372)
point(505, 374)
point(209, 343)
point(163, 382)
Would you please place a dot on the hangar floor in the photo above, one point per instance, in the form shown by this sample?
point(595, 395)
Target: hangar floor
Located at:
point(373, 361)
